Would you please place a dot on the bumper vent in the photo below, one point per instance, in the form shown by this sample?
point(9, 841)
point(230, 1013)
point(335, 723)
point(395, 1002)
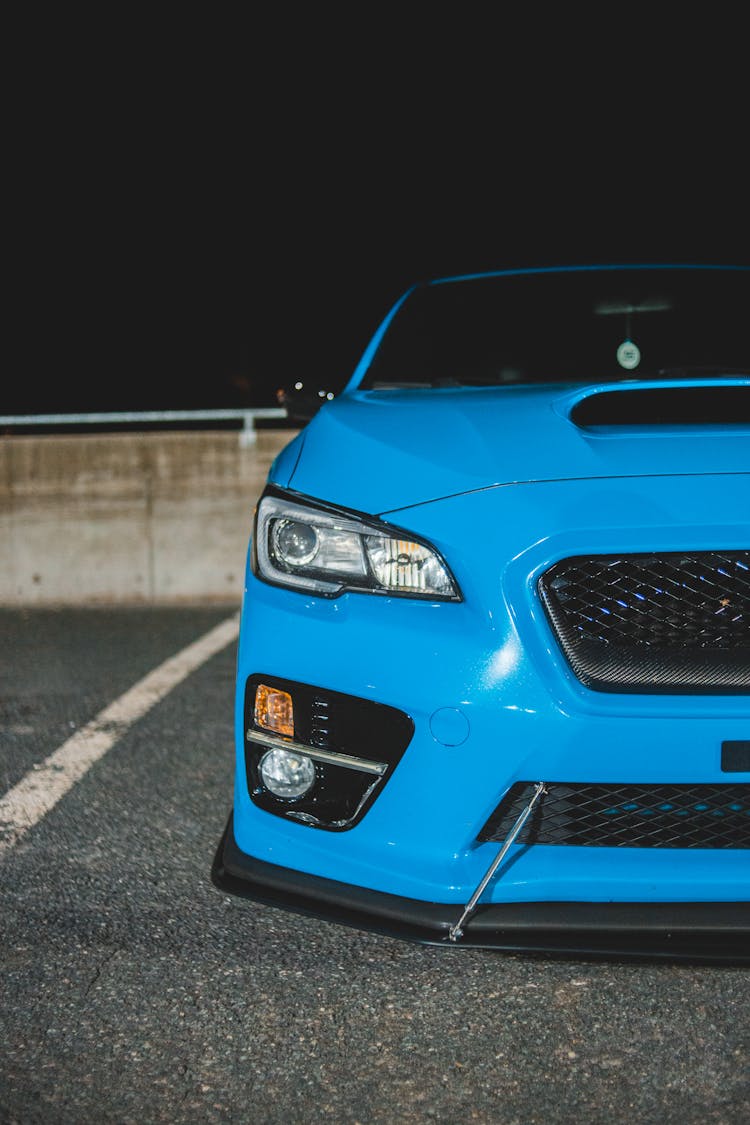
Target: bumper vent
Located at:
point(672, 622)
point(627, 816)
point(340, 727)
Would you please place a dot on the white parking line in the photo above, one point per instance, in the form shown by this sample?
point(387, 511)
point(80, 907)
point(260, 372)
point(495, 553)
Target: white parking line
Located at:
point(26, 803)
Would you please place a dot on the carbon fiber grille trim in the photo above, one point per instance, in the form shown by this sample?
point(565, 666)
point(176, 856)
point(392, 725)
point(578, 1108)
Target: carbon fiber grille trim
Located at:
point(672, 622)
point(627, 816)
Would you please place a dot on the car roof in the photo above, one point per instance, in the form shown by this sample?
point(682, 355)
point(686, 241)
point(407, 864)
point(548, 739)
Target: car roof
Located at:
point(602, 267)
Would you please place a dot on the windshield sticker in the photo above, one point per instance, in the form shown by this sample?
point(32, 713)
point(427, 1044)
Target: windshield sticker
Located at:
point(628, 355)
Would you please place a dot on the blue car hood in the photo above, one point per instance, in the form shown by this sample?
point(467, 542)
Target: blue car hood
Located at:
point(379, 451)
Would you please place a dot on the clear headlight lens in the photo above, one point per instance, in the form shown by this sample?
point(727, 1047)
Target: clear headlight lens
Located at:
point(296, 542)
point(320, 549)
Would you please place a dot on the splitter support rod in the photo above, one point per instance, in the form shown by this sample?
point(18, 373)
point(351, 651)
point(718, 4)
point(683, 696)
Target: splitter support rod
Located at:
point(456, 931)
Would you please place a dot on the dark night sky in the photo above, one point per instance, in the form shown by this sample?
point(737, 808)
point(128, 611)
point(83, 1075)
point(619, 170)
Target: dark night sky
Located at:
point(208, 211)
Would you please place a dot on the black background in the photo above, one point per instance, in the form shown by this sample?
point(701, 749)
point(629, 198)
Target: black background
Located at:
point(207, 208)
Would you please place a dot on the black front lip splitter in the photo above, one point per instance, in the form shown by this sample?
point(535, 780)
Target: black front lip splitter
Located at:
point(700, 932)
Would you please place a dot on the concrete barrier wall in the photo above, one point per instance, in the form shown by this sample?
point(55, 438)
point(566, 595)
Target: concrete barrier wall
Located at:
point(128, 518)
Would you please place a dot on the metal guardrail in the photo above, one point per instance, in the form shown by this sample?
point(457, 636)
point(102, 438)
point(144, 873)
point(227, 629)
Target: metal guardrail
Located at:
point(248, 433)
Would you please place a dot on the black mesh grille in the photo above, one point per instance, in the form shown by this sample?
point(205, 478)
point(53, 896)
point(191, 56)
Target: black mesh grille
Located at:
point(668, 622)
point(627, 816)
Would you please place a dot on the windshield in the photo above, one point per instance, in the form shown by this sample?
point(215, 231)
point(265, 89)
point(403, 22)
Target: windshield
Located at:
point(587, 325)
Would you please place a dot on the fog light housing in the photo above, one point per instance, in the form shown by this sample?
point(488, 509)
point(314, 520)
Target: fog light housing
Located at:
point(286, 774)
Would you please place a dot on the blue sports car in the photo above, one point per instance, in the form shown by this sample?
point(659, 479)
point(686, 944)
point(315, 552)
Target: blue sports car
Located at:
point(493, 674)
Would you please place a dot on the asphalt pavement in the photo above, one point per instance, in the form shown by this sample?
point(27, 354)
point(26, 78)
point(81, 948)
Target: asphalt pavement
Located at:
point(133, 991)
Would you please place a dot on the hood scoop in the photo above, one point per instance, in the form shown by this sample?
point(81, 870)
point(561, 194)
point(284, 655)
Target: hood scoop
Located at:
point(643, 407)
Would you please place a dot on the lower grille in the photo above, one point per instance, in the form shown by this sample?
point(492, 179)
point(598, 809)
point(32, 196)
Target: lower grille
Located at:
point(671, 622)
point(627, 816)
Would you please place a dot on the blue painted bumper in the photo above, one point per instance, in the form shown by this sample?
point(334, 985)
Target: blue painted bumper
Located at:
point(494, 702)
point(695, 932)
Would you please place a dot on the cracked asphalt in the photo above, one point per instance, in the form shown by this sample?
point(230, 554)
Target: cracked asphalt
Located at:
point(133, 991)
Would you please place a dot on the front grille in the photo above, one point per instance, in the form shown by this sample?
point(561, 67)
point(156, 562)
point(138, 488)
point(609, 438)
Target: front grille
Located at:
point(667, 622)
point(627, 816)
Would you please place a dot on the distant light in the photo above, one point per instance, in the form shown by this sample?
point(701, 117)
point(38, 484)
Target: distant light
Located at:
point(298, 386)
point(330, 394)
point(321, 394)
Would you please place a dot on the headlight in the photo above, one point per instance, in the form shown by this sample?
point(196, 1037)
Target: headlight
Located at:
point(306, 546)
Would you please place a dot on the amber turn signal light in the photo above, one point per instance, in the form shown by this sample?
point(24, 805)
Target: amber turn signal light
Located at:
point(274, 710)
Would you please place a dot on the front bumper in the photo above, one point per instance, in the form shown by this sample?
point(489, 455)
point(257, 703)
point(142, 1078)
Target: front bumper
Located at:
point(700, 932)
point(493, 707)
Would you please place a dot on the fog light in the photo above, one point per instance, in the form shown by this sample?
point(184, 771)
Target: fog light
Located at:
point(286, 774)
point(274, 710)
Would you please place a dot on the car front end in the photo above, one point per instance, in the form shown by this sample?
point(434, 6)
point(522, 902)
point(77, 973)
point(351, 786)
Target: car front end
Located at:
point(493, 674)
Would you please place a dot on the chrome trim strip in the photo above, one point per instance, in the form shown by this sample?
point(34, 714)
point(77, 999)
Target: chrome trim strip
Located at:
point(276, 742)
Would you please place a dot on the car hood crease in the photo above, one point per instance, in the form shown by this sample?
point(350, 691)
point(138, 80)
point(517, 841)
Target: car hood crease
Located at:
point(382, 451)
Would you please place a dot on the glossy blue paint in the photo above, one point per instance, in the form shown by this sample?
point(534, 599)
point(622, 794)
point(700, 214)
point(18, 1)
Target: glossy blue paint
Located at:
point(380, 451)
point(494, 658)
point(284, 463)
point(503, 484)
